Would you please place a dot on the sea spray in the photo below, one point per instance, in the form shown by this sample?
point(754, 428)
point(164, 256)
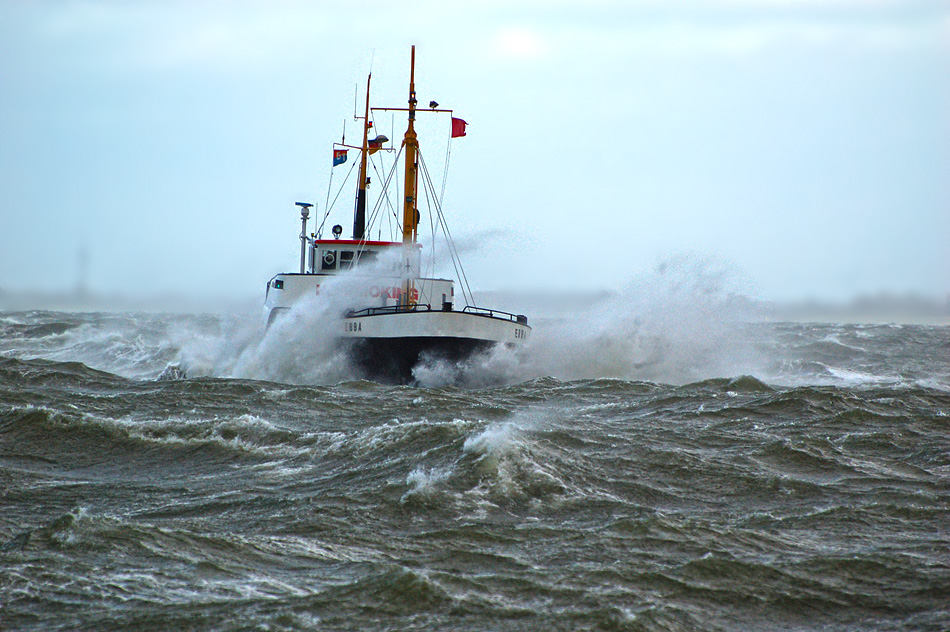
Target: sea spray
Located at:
point(679, 324)
point(301, 345)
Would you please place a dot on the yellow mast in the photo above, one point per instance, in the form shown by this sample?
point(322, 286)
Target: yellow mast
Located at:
point(359, 218)
point(410, 213)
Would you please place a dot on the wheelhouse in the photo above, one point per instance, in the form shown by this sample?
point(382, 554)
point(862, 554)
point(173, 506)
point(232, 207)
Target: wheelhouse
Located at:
point(331, 256)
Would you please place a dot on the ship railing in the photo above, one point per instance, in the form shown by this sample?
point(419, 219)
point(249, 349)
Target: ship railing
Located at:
point(521, 319)
point(390, 309)
point(424, 307)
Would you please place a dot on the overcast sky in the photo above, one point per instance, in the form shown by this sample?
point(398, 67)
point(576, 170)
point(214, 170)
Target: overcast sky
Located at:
point(802, 145)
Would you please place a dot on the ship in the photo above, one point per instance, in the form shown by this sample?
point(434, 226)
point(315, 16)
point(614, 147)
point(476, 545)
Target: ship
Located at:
point(394, 317)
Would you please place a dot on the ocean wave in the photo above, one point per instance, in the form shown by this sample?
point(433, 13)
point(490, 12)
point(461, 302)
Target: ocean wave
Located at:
point(73, 436)
point(726, 502)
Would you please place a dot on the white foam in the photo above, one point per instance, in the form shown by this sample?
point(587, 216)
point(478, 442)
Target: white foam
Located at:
point(494, 441)
point(424, 482)
point(851, 377)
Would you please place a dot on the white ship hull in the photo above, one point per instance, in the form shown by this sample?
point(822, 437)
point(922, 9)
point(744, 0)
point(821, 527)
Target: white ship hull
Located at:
point(386, 342)
point(388, 345)
point(422, 322)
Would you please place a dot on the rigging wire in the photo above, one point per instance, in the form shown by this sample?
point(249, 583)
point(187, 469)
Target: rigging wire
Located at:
point(384, 191)
point(445, 171)
point(382, 197)
point(329, 205)
point(445, 178)
point(429, 205)
point(326, 204)
point(453, 249)
point(380, 170)
point(394, 227)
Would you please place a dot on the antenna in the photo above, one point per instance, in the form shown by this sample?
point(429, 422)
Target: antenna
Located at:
point(304, 214)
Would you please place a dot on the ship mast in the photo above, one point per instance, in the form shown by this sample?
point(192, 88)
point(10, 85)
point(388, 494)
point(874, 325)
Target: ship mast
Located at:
point(410, 212)
point(359, 219)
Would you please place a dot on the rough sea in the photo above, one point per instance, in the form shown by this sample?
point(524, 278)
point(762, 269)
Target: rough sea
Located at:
point(673, 469)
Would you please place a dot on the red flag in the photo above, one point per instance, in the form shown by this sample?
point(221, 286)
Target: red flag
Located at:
point(375, 144)
point(458, 127)
point(339, 156)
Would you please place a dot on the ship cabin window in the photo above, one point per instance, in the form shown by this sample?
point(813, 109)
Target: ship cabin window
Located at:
point(346, 259)
point(367, 257)
point(278, 284)
point(328, 260)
